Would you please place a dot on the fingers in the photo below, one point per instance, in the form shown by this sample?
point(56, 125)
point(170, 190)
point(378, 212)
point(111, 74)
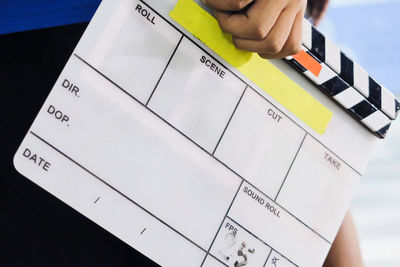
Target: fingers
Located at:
point(252, 24)
point(269, 27)
point(276, 38)
point(292, 45)
point(227, 5)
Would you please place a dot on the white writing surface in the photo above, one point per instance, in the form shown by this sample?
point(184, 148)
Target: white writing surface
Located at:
point(152, 136)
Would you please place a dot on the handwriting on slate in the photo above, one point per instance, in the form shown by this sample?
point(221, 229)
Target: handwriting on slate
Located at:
point(230, 252)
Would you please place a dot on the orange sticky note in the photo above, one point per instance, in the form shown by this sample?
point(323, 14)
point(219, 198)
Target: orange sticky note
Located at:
point(308, 62)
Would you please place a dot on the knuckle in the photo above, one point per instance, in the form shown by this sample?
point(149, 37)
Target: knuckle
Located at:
point(236, 5)
point(236, 43)
point(293, 50)
point(222, 25)
point(293, 47)
point(274, 46)
point(258, 32)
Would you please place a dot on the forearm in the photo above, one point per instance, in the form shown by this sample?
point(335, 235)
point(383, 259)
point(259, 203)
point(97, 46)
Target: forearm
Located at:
point(345, 250)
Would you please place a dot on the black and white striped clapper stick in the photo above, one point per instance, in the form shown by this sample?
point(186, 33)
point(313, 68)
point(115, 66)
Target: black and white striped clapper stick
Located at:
point(348, 97)
point(349, 71)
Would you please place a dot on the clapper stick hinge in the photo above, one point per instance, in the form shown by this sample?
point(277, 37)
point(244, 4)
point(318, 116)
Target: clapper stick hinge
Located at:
point(349, 71)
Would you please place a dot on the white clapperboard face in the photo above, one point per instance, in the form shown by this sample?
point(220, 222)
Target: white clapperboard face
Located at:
point(157, 139)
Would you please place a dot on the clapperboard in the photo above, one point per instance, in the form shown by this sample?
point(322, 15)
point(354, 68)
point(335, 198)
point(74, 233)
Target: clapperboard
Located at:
point(196, 153)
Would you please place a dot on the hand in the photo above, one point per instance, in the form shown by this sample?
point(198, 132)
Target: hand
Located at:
point(271, 28)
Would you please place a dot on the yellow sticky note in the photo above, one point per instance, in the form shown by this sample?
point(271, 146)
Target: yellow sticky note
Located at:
point(260, 71)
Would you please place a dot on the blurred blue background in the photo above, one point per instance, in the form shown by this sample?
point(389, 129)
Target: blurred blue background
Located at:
point(369, 32)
